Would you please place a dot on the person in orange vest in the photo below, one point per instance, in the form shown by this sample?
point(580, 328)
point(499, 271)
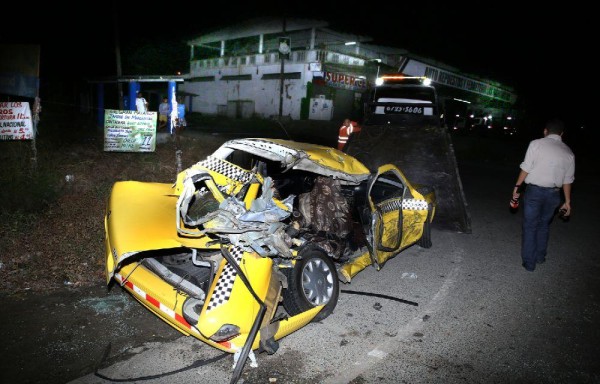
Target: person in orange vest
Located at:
point(347, 128)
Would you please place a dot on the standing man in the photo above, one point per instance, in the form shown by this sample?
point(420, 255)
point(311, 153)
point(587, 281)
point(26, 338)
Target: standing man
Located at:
point(163, 113)
point(347, 128)
point(140, 103)
point(549, 166)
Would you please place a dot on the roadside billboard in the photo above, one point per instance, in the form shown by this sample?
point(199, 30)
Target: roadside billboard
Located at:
point(129, 131)
point(15, 121)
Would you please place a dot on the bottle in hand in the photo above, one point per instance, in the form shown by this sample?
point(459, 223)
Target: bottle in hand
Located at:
point(514, 205)
point(561, 215)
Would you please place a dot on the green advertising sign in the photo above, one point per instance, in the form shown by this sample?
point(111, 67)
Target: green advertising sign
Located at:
point(129, 131)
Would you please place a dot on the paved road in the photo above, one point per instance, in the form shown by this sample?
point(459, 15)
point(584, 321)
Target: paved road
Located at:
point(480, 317)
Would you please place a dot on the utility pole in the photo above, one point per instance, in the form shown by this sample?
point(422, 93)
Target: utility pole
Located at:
point(281, 75)
point(118, 57)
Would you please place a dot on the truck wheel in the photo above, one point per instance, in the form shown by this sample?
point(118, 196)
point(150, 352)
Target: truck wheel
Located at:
point(311, 282)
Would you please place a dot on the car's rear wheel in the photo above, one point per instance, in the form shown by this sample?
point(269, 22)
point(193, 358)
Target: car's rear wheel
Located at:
point(425, 240)
point(312, 282)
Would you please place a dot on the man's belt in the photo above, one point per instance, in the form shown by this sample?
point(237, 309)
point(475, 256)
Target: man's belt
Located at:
point(539, 186)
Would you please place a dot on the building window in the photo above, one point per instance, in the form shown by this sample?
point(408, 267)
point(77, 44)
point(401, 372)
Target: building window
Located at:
point(242, 46)
point(277, 76)
point(236, 77)
point(271, 42)
point(206, 51)
point(201, 79)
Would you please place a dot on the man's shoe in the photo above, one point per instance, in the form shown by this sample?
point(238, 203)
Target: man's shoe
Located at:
point(528, 269)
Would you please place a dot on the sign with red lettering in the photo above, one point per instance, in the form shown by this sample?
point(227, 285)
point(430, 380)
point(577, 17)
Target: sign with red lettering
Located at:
point(340, 80)
point(15, 121)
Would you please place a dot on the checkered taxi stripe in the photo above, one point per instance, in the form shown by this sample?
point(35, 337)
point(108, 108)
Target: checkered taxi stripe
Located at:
point(406, 204)
point(158, 305)
point(414, 204)
point(224, 286)
point(227, 169)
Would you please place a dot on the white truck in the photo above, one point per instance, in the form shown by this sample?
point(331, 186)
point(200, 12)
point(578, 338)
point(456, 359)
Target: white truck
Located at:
point(402, 124)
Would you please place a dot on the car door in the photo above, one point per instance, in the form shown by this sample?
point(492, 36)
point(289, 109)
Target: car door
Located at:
point(394, 222)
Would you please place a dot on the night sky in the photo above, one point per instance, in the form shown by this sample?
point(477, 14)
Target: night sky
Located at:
point(544, 54)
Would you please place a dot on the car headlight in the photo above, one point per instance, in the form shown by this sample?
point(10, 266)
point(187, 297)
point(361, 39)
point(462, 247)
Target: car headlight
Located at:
point(226, 332)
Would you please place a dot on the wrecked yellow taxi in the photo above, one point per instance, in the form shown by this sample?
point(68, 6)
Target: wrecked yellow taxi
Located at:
point(251, 243)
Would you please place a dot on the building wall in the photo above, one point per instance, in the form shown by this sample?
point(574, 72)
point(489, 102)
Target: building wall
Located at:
point(318, 56)
point(215, 95)
point(251, 77)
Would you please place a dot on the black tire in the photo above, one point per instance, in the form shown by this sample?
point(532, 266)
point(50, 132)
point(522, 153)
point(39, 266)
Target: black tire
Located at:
point(312, 282)
point(425, 240)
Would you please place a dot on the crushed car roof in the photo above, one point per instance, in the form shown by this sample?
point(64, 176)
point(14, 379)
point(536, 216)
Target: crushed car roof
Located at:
point(301, 156)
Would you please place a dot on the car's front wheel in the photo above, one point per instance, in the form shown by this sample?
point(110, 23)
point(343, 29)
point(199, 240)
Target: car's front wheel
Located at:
point(311, 282)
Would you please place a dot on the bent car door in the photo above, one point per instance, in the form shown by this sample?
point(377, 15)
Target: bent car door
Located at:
point(396, 216)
